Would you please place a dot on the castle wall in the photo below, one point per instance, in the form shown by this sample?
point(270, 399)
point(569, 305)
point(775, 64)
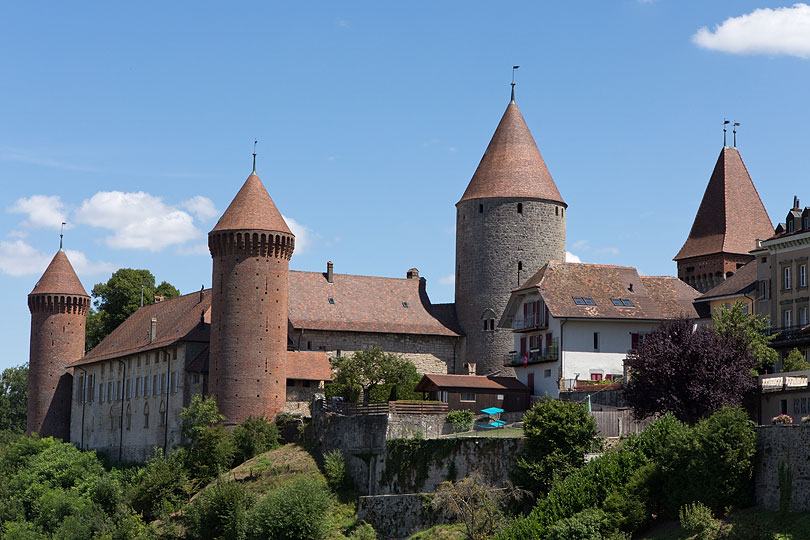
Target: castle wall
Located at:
point(494, 240)
point(703, 273)
point(430, 354)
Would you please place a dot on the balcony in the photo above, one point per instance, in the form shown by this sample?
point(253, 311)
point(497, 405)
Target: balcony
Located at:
point(546, 354)
point(789, 335)
point(527, 324)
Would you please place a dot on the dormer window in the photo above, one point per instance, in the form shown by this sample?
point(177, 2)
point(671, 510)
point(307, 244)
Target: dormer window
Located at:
point(584, 301)
point(789, 225)
point(622, 302)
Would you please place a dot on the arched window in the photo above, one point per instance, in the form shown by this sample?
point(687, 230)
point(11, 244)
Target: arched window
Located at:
point(146, 415)
point(162, 411)
point(488, 318)
point(129, 417)
point(112, 419)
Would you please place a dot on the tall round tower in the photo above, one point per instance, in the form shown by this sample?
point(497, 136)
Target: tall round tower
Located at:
point(509, 223)
point(251, 246)
point(58, 306)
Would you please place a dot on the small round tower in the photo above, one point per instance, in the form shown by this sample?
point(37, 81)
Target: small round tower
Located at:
point(251, 246)
point(509, 223)
point(58, 306)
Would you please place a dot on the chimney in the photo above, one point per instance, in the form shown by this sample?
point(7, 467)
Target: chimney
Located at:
point(795, 202)
point(152, 330)
point(159, 298)
point(413, 273)
point(330, 271)
point(202, 288)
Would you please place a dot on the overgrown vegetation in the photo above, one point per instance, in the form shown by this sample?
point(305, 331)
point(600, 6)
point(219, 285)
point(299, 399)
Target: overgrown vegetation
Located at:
point(461, 420)
point(373, 374)
point(13, 398)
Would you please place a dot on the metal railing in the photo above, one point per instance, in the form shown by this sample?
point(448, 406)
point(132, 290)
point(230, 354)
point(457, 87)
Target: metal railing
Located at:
point(546, 354)
point(531, 322)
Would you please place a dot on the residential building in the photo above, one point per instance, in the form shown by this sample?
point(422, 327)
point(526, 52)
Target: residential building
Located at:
point(576, 322)
point(475, 392)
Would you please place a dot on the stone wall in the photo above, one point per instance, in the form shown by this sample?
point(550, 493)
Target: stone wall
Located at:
point(787, 447)
point(430, 354)
point(406, 426)
point(399, 516)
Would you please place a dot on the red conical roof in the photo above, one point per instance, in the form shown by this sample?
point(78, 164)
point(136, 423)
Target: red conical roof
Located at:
point(59, 278)
point(512, 165)
point(252, 209)
point(731, 215)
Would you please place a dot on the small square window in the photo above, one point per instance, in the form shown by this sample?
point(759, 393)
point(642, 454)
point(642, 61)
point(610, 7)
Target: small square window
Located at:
point(579, 301)
point(627, 303)
point(589, 302)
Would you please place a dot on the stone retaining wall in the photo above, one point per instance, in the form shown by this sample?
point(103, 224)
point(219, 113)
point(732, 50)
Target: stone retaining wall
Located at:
point(787, 447)
point(399, 516)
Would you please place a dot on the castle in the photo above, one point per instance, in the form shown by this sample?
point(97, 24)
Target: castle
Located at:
point(259, 340)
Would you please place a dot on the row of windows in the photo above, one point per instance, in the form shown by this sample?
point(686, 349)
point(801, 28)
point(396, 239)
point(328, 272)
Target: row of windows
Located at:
point(87, 391)
point(801, 317)
point(557, 210)
point(147, 360)
point(115, 418)
point(787, 277)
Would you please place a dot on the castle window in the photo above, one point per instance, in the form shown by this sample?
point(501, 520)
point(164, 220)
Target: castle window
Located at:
point(331, 300)
point(162, 413)
point(175, 382)
point(146, 415)
point(520, 208)
point(480, 208)
point(309, 345)
point(404, 304)
point(556, 210)
point(492, 324)
point(129, 417)
point(520, 266)
point(146, 381)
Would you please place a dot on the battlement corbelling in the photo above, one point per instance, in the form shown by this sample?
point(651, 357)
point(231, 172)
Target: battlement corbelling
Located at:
point(58, 303)
point(251, 243)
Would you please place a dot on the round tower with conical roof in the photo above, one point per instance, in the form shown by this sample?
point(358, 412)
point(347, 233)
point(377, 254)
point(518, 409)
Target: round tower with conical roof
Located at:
point(509, 223)
point(58, 306)
point(251, 246)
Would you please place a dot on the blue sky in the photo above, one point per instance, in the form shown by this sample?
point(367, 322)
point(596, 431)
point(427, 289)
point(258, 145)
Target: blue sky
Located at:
point(135, 123)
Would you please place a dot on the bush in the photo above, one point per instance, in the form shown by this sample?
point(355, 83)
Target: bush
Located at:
point(795, 361)
point(558, 434)
point(335, 468)
point(211, 453)
point(590, 524)
point(295, 511)
point(162, 486)
point(461, 420)
point(364, 532)
point(253, 437)
point(219, 512)
point(696, 519)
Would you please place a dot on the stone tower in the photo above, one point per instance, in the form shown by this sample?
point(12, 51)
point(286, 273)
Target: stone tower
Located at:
point(730, 219)
point(251, 246)
point(58, 306)
point(509, 223)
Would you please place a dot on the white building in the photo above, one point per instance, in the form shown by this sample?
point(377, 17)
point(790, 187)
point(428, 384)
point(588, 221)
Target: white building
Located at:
point(575, 322)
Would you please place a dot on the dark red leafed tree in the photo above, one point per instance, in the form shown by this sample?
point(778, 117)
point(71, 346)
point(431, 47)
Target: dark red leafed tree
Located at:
point(688, 372)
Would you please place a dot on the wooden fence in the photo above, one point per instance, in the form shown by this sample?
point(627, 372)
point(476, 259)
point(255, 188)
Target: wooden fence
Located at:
point(618, 423)
point(381, 407)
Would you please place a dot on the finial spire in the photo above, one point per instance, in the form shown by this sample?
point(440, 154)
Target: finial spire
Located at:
point(736, 125)
point(514, 68)
point(61, 235)
point(254, 155)
point(725, 123)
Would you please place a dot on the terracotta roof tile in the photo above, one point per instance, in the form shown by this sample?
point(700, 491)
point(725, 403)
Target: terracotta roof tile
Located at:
point(366, 304)
point(252, 209)
point(731, 215)
point(433, 381)
point(309, 366)
point(743, 280)
point(653, 298)
point(512, 165)
point(59, 278)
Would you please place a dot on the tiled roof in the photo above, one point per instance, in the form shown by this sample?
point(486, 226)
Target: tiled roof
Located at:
point(743, 280)
point(309, 366)
point(178, 319)
point(252, 209)
point(512, 165)
point(434, 381)
point(731, 216)
point(366, 304)
point(653, 298)
point(59, 278)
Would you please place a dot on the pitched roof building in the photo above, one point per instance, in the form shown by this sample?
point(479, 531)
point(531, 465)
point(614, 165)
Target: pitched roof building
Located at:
point(730, 219)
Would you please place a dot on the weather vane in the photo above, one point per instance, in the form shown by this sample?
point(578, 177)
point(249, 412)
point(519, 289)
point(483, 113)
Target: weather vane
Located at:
point(514, 68)
point(725, 123)
point(255, 141)
point(61, 235)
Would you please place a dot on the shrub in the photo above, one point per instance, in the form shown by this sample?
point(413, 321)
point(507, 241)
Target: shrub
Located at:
point(461, 420)
point(211, 453)
point(219, 512)
point(696, 519)
point(163, 486)
point(795, 361)
point(589, 524)
point(295, 511)
point(253, 437)
point(335, 468)
point(364, 532)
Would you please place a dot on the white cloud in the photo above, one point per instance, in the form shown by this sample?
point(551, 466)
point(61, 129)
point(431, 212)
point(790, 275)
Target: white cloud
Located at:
point(17, 258)
point(784, 30)
point(202, 207)
point(581, 244)
point(449, 279)
point(46, 211)
point(195, 249)
point(138, 220)
point(303, 234)
point(608, 251)
point(570, 257)
point(18, 234)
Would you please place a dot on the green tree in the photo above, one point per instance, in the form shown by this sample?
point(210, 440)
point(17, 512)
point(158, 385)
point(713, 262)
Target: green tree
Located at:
point(212, 447)
point(795, 361)
point(476, 505)
point(367, 371)
point(750, 329)
point(558, 433)
point(14, 398)
point(119, 298)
